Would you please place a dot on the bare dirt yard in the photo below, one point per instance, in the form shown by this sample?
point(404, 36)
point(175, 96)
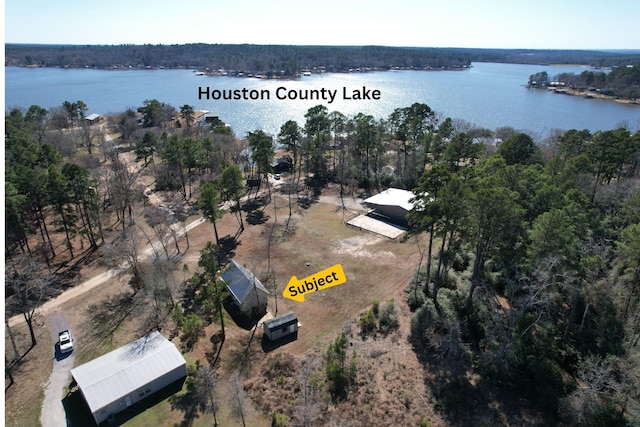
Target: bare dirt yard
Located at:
point(390, 382)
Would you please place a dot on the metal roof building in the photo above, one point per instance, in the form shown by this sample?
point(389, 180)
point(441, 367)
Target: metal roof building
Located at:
point(281, 326)
point(117, 380)
point(247, 290)
point(391, 204)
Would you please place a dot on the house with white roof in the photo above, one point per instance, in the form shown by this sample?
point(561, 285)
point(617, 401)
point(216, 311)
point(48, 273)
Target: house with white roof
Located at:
point(391, 205)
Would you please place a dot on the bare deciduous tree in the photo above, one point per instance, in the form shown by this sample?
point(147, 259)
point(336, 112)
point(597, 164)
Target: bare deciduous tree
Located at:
point(237, 397)
point(123, 189)
point(124, 254)
point(205, 383)
point(29, 284)
point(309, 406)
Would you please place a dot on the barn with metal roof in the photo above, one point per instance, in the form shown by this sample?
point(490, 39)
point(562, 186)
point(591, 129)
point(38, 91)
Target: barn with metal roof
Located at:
point(247, 290)
point(113, 382)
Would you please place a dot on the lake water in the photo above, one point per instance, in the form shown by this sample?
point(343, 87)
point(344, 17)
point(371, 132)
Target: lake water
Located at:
point(488, 95)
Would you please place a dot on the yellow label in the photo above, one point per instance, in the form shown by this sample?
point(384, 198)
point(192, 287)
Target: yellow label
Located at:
point(297, 288)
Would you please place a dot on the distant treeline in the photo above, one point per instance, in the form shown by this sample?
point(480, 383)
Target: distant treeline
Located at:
point(593, 58)
point(263, 59)
point(283, 60)
point(621, 82)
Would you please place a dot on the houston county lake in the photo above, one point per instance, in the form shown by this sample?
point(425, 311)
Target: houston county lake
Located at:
point(488, 95)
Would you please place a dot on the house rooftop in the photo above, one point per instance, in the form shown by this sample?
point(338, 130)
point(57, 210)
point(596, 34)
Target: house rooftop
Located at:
point(392, 197)
point(281, 321)
point(241, 281)
point(124, 370)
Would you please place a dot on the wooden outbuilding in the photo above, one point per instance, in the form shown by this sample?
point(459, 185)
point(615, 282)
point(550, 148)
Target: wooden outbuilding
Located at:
point(248, 292)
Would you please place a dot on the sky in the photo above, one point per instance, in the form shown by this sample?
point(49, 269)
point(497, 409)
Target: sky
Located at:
point(540, 24)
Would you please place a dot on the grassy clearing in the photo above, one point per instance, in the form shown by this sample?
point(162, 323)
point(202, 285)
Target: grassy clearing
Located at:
point(376, 269)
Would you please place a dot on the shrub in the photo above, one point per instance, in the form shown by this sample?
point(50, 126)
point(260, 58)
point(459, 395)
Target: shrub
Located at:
point(375, 308)
point(421, 321)
point(177, 314)
point(339, 374)
point(191, 329)
point(368, 323)
point(279, 420)
point(389, 318)
point(416, 299)
point(281, 364)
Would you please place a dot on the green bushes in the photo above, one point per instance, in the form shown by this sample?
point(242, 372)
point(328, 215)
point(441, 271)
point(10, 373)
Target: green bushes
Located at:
point(340, 372)
point(368, 323)
point(279, 420)
point(389, 318)
point(191, 329)
point(377, 319)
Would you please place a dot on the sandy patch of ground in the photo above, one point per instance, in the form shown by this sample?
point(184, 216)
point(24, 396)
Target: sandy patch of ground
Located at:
point(356, 246)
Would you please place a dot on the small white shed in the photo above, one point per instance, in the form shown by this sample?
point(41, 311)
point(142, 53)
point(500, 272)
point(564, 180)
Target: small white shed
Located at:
point(113, 382)
point(280, 326)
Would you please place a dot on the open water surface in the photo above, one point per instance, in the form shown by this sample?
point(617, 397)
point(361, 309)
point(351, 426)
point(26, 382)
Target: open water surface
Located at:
point(488, 95)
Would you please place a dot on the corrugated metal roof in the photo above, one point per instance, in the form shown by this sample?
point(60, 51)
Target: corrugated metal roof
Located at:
point(116, 374)
point(280, 321)
point(392, 197)
point(240, 282)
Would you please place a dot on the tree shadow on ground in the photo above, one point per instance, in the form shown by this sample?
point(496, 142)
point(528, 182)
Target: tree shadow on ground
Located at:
point(465, 399)
point(244, 320)
point(256, 203)
point(242, 355)
point(228, 245)
point(106, 316)
point(79, 414)
point(306, 201)
point(257, 217)
point(268, 345)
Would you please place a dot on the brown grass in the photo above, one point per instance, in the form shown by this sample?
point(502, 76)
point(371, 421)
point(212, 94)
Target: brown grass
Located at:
point(24, 397)
point(390, 379)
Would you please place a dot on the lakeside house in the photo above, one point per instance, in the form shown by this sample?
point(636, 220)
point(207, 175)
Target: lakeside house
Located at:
point(93, 119)
point(391, 205)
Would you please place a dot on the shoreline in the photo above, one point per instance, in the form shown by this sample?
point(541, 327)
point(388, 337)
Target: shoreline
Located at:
point(594, 95)
point(586, 94)
point(244, 74)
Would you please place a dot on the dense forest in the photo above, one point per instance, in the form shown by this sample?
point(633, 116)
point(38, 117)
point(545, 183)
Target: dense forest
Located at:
point(621, 82)
point(530, 281)
point(286, 61)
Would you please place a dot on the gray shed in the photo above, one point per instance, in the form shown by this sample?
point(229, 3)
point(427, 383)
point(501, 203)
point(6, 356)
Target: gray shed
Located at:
point(247, 290)
point(280, 326)
point(113, 382)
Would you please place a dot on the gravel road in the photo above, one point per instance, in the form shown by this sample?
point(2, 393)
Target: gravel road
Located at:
point(53, 413)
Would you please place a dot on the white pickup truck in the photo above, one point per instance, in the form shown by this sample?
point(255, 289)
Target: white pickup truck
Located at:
point(65, 340)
